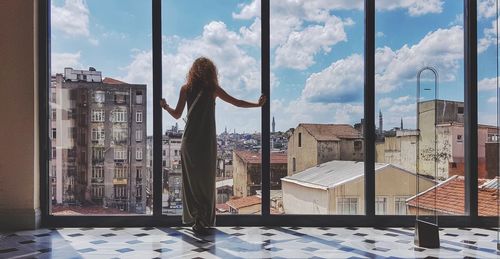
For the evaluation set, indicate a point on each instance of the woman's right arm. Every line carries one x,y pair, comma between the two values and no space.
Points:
177,112
237,102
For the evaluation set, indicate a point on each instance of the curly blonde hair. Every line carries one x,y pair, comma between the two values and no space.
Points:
203,74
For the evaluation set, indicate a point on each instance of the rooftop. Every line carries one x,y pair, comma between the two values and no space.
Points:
112,81
333,173
243,202
251,157
450,197
331,132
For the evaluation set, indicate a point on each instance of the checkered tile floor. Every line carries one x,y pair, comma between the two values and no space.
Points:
244,242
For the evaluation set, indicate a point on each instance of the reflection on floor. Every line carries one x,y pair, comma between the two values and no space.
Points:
244,242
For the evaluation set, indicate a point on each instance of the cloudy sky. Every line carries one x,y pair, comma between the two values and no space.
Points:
316,53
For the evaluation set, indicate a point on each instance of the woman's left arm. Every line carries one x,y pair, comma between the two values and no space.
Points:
177,112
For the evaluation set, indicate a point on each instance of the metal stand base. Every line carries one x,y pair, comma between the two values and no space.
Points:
426,234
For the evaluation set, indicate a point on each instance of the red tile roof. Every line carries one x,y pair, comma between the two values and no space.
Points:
250,157
331,132
112,81
85,210
451,198
248,201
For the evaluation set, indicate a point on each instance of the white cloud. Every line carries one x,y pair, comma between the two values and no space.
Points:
61,60
492,100
489,37
442,49
486,8
488,84
380,34
341,82
414,7
72,18
248,11
300,47
288,113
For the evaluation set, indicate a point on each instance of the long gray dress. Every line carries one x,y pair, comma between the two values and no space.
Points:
198,156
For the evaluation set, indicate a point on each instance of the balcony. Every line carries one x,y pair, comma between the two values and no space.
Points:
120,181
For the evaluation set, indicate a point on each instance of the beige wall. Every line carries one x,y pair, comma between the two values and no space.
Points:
305,156
239,177
298,199
390,182
19,176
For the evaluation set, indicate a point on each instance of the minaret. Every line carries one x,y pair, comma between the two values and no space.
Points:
274,125
401,123
380,122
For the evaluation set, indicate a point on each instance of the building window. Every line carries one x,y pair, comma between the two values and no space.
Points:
97,191
138,135
294,165
97,134
400,205
119,98
138,97
459,139
99,96
54,114
97,153
380,205
120,154
138,153
138,116
460,110
176,152
54,133
138,172
97,115
120,173
120,135
347,206
300,139
54,153
120,191
97,172
120,116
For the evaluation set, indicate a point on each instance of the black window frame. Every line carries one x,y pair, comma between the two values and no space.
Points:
369,219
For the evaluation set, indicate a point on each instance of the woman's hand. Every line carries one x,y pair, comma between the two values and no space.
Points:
262,100
163,104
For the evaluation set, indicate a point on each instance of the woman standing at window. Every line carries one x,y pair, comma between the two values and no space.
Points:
199,144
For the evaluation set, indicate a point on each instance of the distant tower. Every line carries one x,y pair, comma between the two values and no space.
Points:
380,122
225,130
401,123
274,125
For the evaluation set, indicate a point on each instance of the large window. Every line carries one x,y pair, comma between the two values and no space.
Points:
216,30
419,128
100,87
317,119
488,134
312,59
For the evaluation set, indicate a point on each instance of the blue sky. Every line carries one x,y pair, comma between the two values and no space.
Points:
317,53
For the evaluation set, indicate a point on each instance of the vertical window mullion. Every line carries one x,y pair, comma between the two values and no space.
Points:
369,107
265,117
157,118
470,95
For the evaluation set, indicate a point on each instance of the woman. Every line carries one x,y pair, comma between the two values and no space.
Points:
199,148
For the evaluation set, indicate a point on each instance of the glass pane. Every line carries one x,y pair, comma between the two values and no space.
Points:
420,128
488,116
100,109
317,146
231,40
